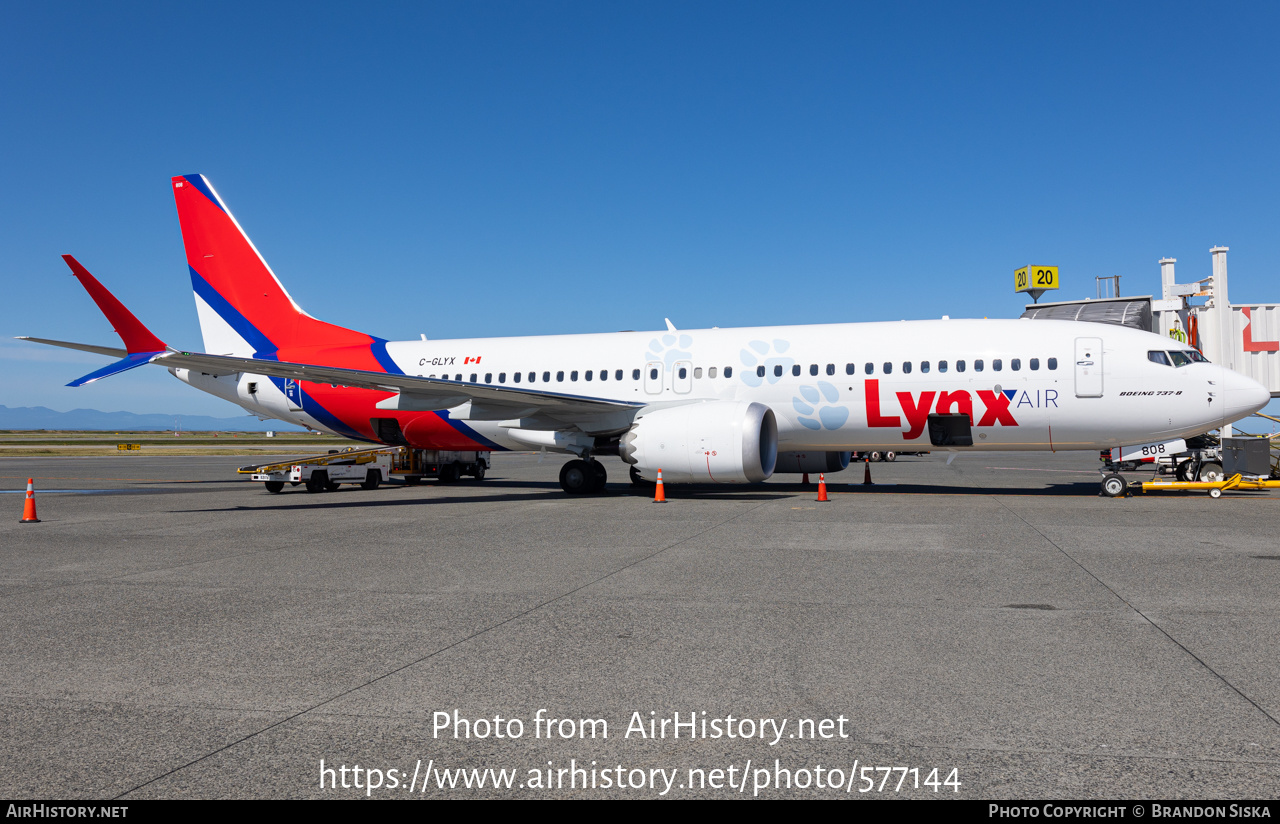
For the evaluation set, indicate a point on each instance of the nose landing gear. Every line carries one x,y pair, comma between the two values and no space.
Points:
1114,486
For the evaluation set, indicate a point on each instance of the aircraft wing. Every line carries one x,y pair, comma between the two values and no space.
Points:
109,351
413,393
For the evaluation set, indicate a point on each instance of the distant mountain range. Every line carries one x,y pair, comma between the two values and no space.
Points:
41,417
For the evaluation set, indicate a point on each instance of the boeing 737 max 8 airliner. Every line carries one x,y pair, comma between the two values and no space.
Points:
703,405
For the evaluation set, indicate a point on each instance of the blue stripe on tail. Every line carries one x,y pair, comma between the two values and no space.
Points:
262,346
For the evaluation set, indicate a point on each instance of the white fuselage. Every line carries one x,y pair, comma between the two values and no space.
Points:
1027,384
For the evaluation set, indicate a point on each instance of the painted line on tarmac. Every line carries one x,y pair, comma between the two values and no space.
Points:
1036,469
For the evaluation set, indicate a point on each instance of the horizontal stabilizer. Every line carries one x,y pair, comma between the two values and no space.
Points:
126,363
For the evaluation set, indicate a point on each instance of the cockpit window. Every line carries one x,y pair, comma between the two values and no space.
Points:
1156,356
1195,356
1179,358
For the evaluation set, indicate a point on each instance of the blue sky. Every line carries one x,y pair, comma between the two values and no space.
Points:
490,168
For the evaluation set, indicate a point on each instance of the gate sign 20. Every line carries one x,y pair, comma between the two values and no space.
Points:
1035,277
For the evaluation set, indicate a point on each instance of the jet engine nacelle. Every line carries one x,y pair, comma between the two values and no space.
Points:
731,442
797,462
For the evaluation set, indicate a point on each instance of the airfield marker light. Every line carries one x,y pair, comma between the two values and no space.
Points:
29,506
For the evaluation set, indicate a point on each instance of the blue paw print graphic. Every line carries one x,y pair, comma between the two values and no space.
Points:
670,348
760,353
828,417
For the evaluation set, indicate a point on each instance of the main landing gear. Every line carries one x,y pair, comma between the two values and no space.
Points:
579,477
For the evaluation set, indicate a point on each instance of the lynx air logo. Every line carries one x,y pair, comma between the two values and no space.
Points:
915,407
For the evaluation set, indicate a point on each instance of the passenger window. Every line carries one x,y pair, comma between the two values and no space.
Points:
813,369
728,371
573,376
684,373
888,368
1015,364
588,375
1053,364
532,376
1035,364
653,374
924,366
711,373
546,377
635,374
1156,356
488,377
515,377
795,370
617,374
777,371
502,377
831,368
977,365
697,372
959,366
760,371
560,376
850,368
942,366
473,377
604,374
1179,359
906,367
996,364
870,368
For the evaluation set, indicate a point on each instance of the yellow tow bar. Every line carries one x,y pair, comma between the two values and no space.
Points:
1214,488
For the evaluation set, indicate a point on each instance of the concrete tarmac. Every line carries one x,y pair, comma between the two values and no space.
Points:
170,630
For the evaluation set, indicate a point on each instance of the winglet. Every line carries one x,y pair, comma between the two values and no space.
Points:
137,338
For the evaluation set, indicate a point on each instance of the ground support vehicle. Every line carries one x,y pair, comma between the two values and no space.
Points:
324,473
1200,461
414,465
369,467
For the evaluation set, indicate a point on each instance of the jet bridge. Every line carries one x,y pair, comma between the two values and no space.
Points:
1243,337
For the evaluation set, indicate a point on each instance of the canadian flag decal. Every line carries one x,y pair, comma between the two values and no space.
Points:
465,361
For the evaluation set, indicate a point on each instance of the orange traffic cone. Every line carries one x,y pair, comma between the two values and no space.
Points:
822,487
805,479
29,508
659,496
866,474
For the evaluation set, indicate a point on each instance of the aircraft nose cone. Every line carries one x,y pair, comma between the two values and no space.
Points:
1244,396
